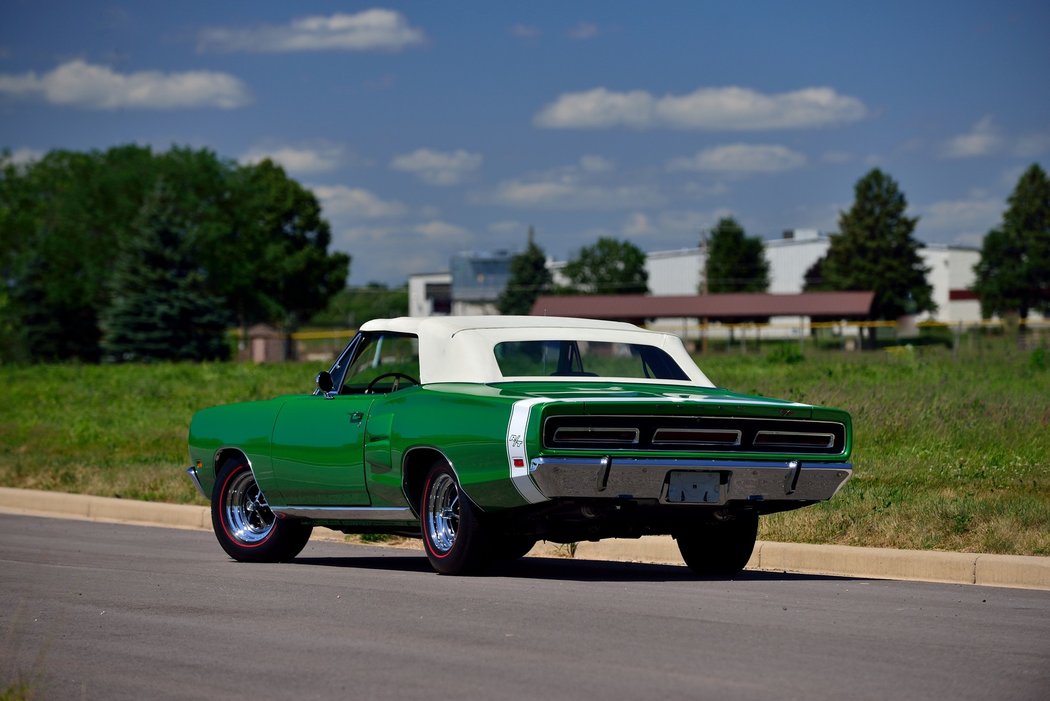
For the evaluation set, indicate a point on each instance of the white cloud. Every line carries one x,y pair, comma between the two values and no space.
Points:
741,159
81,84
638,224
297,160
713,109
580,186
583,31
437,167
596,164
22,156
705,190
340,202
1032,144
525,31
442,231
965,219
836,157
568,193
983,139
507,227
671,228
388,252
371,30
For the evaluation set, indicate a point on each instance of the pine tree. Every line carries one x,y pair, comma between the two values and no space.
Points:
736,262
529,278
875,250
1013,275
160,308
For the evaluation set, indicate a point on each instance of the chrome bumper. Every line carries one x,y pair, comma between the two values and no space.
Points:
192,472
647,478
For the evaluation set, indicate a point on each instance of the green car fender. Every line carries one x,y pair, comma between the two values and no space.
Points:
244,428
464,425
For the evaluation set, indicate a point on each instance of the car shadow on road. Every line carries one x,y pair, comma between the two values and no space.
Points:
559,569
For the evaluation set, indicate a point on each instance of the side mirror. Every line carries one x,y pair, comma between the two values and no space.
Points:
324,381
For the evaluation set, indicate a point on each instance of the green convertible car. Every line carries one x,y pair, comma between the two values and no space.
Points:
483,435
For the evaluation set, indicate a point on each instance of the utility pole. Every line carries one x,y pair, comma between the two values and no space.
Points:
703,290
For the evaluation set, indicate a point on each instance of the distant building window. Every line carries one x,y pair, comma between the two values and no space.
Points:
440,296
479,277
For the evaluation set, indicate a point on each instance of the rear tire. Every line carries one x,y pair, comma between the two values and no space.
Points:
510,548
453,538
243,523
718,548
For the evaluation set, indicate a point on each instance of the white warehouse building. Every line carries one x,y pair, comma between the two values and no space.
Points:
679,272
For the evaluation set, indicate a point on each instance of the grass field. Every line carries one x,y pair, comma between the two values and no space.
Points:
951,453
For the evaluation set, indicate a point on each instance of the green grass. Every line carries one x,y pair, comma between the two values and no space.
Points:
120,430
950,453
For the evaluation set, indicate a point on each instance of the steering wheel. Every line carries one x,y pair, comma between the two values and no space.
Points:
398,376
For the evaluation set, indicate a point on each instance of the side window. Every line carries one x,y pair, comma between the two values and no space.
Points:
338,369
393,355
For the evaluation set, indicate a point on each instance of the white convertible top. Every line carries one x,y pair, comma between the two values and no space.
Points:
460,348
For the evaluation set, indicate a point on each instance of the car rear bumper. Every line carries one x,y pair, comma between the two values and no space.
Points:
648,478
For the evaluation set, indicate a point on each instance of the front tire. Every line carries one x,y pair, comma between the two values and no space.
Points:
718,548
452,534
243,523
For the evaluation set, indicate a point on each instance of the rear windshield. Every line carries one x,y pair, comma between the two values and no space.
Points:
585,359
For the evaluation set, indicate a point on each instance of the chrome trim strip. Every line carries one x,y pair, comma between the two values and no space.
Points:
771,419
347,513
596,438
657,440
192,472
695,463
788,444
816,423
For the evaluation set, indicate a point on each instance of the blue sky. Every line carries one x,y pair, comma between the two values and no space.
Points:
427,128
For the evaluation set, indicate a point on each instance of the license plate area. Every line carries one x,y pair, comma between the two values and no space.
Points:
687,487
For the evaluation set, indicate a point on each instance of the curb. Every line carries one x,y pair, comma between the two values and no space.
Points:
1021,571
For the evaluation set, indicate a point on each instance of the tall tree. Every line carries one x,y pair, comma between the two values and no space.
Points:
160,308
1013,275
68,218
608,267
258,236
875,250
529,278
735,262
353,306
283,272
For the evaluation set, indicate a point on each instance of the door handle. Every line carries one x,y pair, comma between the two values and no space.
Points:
355,418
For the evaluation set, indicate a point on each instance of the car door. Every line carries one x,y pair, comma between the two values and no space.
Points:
318,443
318,450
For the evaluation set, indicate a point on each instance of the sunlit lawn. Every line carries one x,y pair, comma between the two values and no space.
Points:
950,454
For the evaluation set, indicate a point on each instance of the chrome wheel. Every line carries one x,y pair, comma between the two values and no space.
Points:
442,513
245,510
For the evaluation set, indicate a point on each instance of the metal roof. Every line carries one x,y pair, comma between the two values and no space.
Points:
738,305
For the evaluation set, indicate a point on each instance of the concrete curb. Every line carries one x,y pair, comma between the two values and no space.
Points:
1027,572
37,502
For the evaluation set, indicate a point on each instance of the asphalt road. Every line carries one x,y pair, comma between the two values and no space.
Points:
100,611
